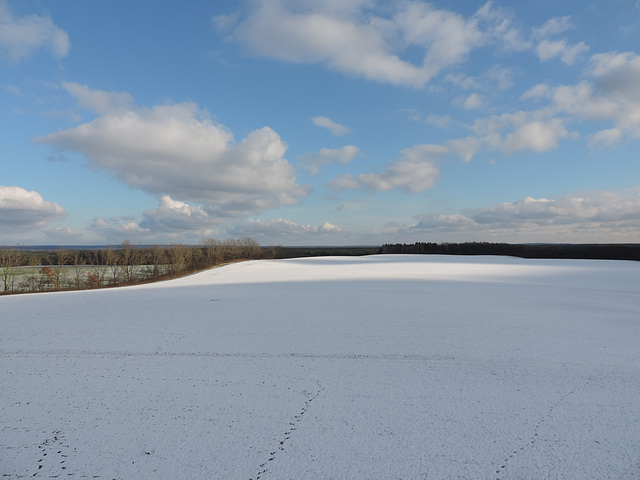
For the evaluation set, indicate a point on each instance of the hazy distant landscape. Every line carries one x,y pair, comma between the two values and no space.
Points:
30,269
385,366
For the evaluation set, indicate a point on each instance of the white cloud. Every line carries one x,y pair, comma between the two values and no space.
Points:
329,124
345,182
276,30
495,76
116,231
536,135
429,221
596,216
568,54
463,81
466,148
415,172
176,150
62,235
537,130
368,39
276,230
440,121
327,227
171,221
98,101
175,216
607,137
536,92
611,94
20,37
224,22
603,64
617,75
22,209
471,102
553,48
553,26
326,156
500,28
501,77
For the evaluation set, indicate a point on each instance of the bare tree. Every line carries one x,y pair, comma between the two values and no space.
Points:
177,255
213,251
111,260
131,261
62,255
158,259
249,248
95,276
9,262
33,262
78,261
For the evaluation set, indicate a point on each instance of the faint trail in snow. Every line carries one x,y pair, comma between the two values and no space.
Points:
160,353
293,426
534,438
546,416
168,344
52,463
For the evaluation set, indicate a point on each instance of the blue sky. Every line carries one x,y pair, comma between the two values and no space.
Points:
319,122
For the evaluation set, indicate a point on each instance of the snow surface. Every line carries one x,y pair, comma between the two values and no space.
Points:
418,367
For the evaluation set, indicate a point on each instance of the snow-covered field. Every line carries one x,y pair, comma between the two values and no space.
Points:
417,367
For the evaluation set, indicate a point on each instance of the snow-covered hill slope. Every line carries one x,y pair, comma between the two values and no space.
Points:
418,367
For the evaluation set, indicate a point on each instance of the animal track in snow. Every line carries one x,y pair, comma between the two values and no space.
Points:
53,456
293,426
534,438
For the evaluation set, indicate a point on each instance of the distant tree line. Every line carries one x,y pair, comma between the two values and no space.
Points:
298,252
578,251
24,271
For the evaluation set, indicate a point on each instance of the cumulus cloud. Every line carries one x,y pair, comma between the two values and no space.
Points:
116,230
553,48
177,151
413,173
536,135
62,235
20,37
617,74
329,124
175,216
278,229
537,130
367,39
22,209
327,156
589,216
612,93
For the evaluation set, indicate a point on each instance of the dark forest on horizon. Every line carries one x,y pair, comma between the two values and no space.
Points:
594,251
